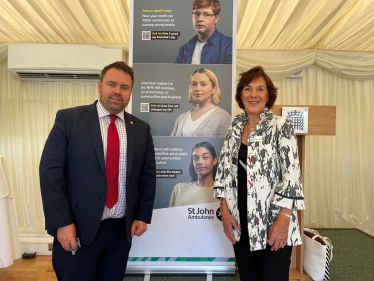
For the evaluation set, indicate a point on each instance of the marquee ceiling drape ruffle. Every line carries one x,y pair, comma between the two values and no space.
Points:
283,36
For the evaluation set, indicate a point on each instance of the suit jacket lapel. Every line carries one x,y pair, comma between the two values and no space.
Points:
130,133
94,125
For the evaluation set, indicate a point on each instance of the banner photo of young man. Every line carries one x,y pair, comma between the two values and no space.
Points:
183,32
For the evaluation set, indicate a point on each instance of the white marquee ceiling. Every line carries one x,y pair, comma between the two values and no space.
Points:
262,24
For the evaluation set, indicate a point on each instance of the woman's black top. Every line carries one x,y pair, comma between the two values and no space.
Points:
242,183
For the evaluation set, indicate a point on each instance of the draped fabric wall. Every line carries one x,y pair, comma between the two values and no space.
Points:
331,41
339,176
27,113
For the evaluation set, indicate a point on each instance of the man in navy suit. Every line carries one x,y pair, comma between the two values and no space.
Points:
77,180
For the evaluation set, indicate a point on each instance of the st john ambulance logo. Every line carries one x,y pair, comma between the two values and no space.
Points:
200,214
218,214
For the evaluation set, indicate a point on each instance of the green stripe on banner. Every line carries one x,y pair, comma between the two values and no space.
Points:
182,259
195,259
207,259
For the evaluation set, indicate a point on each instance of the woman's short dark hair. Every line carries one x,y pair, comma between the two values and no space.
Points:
212,152
250,75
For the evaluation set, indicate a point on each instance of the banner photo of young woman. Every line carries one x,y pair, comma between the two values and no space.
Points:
183,100
185,170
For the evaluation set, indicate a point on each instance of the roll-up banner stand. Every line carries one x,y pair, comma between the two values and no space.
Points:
184,89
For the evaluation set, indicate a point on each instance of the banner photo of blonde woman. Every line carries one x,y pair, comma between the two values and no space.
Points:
183,100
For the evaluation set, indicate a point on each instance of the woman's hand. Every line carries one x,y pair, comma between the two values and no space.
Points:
228,222
278,232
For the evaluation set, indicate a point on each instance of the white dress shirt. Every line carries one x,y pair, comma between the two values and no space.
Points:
119,209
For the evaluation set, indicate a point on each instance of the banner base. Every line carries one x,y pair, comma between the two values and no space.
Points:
180,270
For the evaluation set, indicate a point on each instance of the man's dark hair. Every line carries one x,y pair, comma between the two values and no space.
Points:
215,4
120,65
212,152
250,75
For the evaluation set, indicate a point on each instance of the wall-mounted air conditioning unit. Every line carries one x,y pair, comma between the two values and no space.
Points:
60,62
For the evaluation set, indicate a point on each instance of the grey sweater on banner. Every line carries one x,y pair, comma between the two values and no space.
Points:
215,125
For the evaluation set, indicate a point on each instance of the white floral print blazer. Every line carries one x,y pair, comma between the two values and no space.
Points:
273,176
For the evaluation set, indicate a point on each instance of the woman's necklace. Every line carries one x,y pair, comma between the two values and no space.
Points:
246,163
249,128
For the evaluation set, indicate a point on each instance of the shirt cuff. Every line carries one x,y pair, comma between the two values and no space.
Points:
287,202
218,192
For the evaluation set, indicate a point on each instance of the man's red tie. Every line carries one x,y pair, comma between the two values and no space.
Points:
112,164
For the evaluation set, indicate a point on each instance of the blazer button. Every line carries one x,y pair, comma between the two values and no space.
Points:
103,178
103,199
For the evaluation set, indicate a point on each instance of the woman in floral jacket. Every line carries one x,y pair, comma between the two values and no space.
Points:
259,183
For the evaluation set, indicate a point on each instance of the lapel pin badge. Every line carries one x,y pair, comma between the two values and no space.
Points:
131,122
